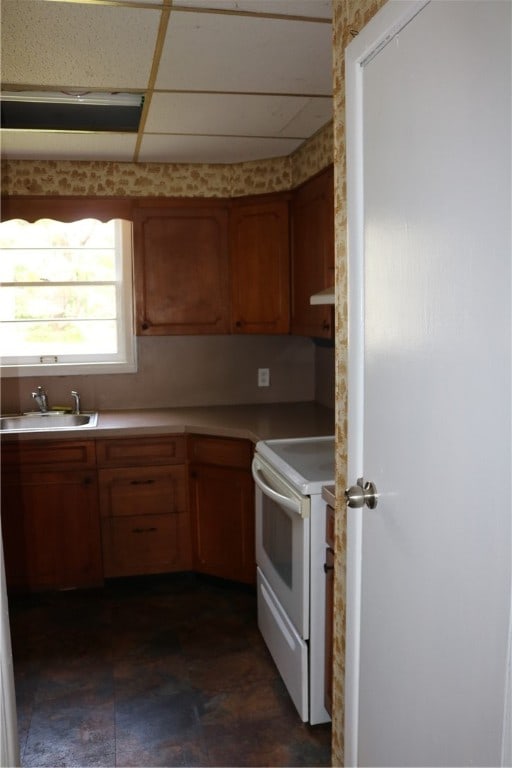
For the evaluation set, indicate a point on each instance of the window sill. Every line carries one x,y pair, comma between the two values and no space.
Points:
67,369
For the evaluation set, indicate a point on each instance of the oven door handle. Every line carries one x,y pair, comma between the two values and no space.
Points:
292,505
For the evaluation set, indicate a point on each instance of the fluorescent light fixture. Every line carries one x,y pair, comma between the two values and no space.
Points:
116,99
71,111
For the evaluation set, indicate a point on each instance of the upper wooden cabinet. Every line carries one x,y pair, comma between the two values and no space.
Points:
181,268
215,266
260,271
312,260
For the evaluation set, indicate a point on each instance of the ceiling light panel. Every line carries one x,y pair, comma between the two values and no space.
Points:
83,46
61,111
219,52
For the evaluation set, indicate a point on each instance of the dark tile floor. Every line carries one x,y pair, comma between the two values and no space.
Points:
154,672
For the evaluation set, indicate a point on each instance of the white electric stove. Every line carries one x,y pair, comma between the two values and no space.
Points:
290,555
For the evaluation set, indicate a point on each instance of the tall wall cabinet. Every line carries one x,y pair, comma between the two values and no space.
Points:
312,248
260,266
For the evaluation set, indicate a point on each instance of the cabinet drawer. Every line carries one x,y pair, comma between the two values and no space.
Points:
148,544
225,452
142,491
49,455
128,452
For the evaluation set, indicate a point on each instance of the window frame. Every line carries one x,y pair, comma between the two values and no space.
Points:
127,354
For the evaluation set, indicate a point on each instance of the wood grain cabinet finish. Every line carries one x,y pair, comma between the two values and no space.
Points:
138,451
222,508
50,516
312,255
144,511
181,269
260,266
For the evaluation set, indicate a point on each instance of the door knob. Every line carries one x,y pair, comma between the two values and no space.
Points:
361,494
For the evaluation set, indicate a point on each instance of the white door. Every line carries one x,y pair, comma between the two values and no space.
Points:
429,569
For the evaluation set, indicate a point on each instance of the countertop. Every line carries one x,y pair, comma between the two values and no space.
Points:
252,422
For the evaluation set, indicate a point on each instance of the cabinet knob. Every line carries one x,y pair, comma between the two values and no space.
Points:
326,325
145,325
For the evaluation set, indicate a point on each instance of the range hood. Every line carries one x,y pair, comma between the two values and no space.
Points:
323,297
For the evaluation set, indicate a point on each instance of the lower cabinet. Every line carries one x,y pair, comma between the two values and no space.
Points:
74,512
144,514
222,508
50,518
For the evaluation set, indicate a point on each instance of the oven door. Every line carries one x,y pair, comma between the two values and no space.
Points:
283,542
289,651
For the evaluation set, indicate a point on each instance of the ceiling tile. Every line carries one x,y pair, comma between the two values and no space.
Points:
212,149
83,46
208,51
228,72
27,145
236,114
310,118
318,9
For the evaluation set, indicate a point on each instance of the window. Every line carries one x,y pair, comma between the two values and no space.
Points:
66,297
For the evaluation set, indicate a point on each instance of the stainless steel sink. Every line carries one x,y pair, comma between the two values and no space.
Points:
52,421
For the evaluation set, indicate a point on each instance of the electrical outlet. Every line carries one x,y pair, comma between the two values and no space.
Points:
263,377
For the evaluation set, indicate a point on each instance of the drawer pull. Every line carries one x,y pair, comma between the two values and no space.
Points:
144,530
141,482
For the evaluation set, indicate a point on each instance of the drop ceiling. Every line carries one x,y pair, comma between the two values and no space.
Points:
224,81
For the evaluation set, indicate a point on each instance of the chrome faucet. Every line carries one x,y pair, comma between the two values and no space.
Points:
76,398
41,399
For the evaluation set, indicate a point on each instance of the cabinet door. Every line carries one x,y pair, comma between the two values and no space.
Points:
260,271
51,529
312,255
222,506
181,270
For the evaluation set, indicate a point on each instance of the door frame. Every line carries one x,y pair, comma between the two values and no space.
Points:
391,18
